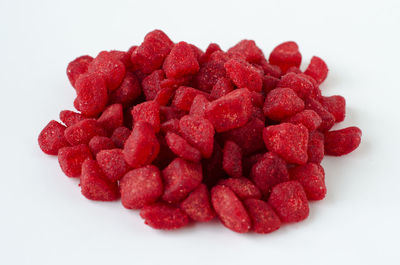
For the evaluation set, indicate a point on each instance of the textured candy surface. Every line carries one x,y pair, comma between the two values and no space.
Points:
69,117
312,177
78,67
282,103
147,112
112,163
72,158
317,69
51,138
151,85
181,61
286,55
301,84
289,201
98,143
212,47
184,97
128,91
336,105
171,125
264,219
199,105
182,148
120,135
83,131
111,118
342,142
140,187
198,206
244,75
315,149
232,159
222,87
230,209
328,120
242,187
246,50
308,118
164,216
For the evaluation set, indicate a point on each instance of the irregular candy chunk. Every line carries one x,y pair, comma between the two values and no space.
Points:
244,75
78,67
242,187
301,84
199,106
197,51
71,159
184,97
317,69
150,55
111,69
282,103
70,118
124,57
230,209
328,120
180,178
264,219
294,69
182,148
51,138
270,70
164,216
287,140
94,185
181,61
208,75
112,163
111,118
336,105
140,187
248,163
198,206
152,84
170,126
212,47
342,142
127,92
142,146
268,171
199,132
120,135
230,111
83,131
92,94
315,149
289,201
285,55
98,143
257,99
165,95
312,177
232,159
269,83
221,88
308,118
149,112
167,113
247,50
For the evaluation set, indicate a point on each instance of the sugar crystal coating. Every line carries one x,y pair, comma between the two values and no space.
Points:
328,120
317,69
111,118
151,84
247,50
120,135
78,67
181,61
336,105
182,148
98,143
270,70
301,84
232,159
222,87
242,187
171,125
281,103
264,219
164,216
149,112
342,142
269,83
83,131
184,97
315,148
312,177
244,75
92,95
112,163
198,205
286,55
308,118
212,47
51,138
199,105
72,158
69,117
208,75
128,91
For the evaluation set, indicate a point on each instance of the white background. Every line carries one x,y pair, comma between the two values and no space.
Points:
45,220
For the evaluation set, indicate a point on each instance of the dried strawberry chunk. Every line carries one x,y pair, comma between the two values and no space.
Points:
111,118
247,50
199,105
148,111
336,105
315,149
182,148
232,159
264,219
181,61
222,87
342,142
301,84
242,187
151,84
92,94
208,75
244,75
70,117
282,103
112,163
317,69
212,47
128,91
184,97
286,55
98,143
78,67
328,120
164,216
308,118
51,138
83,131
171,125
198,206
72,158
312,177
120,135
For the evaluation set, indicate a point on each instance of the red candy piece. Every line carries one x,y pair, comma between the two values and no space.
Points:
128,91
312,178
268,171
244,75
328,120
282,103
230,209
336,105
92,94
164,216
208,75
78,67
149,112
111,118
170,126
181,61
94,185
180,178
142,146
287,140
269,83
199,132
242,187
230,111
111,69
199,105
294,69
83,131
182,148
70,118
246,50
285,55
212,47
342,142
257,99
289,201
164,96
124,57
167,113
112,163
317,69
270,70
150,55
51,138
140,187
120,135
308,118
198,206
315,149
184,97
301,84
264,219
221,88
151,84
98,143
72,158
232,159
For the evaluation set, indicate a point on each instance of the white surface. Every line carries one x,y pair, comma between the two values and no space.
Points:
45,220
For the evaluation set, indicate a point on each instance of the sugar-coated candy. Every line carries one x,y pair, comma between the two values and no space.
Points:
315,149
142,146
230,111
128,91
112,163
140,187
212,47
51,138
222,87
124,57
111,118
301,84
247,50
308,118
171,125
209,74
264,219
286,55
69,117
182,148
180,177
119,136
181,61
281,103
94,185
270,70
269,83
336,105
328,120
289,201
72,158
165,95
184,97
149,112
78,67
164,216
198,205
317,69
151,84
92,94
167,113
312,177
230,209
83,131
242,187
342,142
199,105
244,75
98,143
232,159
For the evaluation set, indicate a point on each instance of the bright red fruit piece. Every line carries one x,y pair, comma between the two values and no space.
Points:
246,50
51,138
184,97
336,105
232,159
301,84
128,91
120,135
72,158
164,216
342,142
264,219
328,120
112,163
308,118
70,117
282,103
244,75
199,105
149,112
111,118
312,177
317,69
286,55
182,148
78,67
98,143
198,206
151,84
315,149
181,61
83,131
242,187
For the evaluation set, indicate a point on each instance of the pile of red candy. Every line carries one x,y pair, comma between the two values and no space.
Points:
186,135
